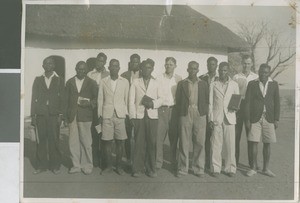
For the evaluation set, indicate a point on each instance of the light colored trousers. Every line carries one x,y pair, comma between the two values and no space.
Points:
223,135
80,143
192,125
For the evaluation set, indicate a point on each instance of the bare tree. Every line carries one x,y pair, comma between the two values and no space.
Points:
278,54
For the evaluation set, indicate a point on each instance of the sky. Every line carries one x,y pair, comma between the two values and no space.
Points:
278,19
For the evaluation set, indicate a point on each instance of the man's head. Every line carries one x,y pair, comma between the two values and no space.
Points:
264,72
170,64
193,68
247,63
101,61
114,67
212,64
48,64
223,70
147,67
134,63
81,70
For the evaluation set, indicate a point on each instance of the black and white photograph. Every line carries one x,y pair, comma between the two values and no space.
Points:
159,101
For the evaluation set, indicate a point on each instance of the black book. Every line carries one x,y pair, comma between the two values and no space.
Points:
235,102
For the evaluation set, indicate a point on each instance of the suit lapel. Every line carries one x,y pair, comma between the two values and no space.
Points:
84,84
219,89
142,84
53,81
258,89
108,85
43,83
185,86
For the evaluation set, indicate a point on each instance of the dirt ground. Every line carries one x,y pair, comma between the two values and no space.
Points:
166,185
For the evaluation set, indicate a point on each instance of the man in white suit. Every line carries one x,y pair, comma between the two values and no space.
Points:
222,121
143,104
112,111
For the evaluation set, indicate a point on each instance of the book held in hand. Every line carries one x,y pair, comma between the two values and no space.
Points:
235,102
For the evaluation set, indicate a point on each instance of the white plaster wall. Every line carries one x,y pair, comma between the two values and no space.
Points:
34,57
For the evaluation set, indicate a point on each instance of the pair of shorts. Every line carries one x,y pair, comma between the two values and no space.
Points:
262,130
113,128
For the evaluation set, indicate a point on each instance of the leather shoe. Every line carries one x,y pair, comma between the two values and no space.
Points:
38,171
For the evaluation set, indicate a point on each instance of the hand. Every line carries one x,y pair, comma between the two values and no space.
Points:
211,125
276,124
100,120
65,123
33,121
248,125
84,103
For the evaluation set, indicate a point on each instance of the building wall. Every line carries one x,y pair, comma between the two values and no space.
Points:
32,65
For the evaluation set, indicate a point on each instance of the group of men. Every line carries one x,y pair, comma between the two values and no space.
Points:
136,111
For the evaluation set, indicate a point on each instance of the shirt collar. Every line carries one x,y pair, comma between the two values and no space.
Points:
76,78
165,75
53,74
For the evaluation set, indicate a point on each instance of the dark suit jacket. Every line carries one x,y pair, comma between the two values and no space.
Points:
41,94
205,78
254,102
182,97
89,90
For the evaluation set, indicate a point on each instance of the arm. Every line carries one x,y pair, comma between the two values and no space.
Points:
276,105
62,97
211,102
131,105
158,101
247,106
33,102
100,99
178,95
126,98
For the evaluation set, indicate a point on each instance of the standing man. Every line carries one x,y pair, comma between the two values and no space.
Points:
192,105
46,116
81,99
112,111
143,103
97,75
242,79
222,121
209,77
167,113
132,73
262,110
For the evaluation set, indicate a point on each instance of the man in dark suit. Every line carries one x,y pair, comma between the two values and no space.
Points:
46,116
262,110
81,99
209,77
132,73
192,104
97,74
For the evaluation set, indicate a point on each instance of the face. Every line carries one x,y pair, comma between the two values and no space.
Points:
247,64
81,71
48,65
100,62
193,69
147,70
223,71
170,66
134,64
212,66
114,68
264,74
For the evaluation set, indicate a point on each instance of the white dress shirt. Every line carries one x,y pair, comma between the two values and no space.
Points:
79,83
167,89
263,88
243,80
113,84
134,75
48,80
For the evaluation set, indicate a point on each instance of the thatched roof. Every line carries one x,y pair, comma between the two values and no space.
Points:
146,24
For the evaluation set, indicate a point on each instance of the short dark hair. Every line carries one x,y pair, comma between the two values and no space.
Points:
101,54
147,61
49,57
264,65
170,59
135,56
80,63
193,62
224,63
246,56
113,60
212,59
